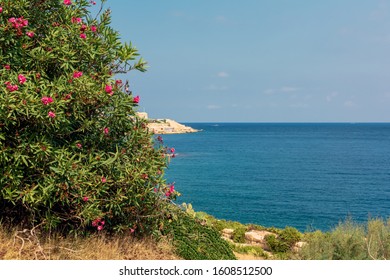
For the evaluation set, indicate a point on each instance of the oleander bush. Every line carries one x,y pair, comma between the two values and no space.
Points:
74,156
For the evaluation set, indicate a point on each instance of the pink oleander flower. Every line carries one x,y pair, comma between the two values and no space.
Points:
7,67
172,150
83,36
132,230
11,88
24,22
108,89
106,130
46,100
93,28
85,198
118,82
99,228
78,145
51,114
172,188
96,222
136,99
67,2
104,179
30,34
22,79
12,20
1,9
83,27
76,20
77,74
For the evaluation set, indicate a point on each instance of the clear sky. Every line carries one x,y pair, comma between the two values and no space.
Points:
260,61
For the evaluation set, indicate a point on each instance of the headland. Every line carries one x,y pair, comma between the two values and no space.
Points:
166,126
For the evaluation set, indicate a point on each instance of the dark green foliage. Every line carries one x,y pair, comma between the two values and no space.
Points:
196,241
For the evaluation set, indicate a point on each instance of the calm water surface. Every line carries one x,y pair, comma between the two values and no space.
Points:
310,176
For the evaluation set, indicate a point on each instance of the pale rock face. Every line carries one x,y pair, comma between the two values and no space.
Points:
257,236
227,232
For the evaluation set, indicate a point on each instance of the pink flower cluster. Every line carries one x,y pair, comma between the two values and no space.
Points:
51,114
106,130
76,20
84,27
11,87
1,9
77,74
136,99
46,100
22,79
18,24
67,2
98,223
170,191
109,90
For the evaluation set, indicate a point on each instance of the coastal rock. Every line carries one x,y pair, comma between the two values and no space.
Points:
257,237
228,233
299,245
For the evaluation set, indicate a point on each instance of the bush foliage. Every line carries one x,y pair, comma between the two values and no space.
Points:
74,156
193,239
350,241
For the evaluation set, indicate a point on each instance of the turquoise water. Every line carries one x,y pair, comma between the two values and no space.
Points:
310,176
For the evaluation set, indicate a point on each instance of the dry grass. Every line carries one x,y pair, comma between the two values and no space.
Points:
31,245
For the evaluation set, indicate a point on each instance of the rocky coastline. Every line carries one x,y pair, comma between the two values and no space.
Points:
166,126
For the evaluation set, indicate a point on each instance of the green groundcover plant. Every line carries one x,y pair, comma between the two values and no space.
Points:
74,155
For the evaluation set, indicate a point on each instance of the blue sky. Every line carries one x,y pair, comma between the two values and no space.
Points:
260,61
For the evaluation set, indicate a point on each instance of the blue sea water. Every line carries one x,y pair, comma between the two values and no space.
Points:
309,176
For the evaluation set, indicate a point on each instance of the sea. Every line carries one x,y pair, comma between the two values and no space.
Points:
310,176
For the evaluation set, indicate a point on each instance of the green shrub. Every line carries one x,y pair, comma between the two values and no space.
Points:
74,156
349,241
196,241
284,242
239,235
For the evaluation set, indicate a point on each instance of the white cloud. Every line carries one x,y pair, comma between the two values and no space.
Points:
299,105
350,104
213,107
221,19
270,91
214,87
223,74
284,89
289,89
331,96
